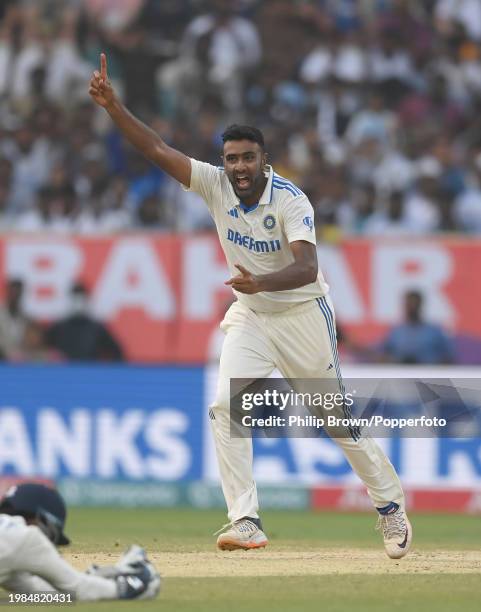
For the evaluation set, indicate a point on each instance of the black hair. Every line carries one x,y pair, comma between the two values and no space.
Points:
15,282
78,287
243,132
414,294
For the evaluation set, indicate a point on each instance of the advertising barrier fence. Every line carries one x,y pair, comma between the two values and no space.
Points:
103,430
164,296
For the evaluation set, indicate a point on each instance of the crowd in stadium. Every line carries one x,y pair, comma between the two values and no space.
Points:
370,106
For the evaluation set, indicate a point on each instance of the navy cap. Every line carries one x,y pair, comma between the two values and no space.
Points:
45,504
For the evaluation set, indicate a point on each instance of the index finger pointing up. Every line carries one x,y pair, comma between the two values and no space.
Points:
103,66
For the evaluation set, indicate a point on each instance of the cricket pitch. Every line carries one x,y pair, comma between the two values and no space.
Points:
306,563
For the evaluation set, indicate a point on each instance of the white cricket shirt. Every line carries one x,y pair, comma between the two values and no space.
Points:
29,563
259,238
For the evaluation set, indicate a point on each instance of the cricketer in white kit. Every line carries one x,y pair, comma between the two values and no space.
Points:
283,317
32,519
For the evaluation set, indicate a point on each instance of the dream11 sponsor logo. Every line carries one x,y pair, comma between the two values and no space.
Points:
104,444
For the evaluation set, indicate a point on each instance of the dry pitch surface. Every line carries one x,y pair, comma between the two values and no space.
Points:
181,544
313,563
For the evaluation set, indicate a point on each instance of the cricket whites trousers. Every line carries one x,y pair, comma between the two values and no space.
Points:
301,343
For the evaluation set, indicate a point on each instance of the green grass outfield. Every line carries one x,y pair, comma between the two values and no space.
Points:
300,538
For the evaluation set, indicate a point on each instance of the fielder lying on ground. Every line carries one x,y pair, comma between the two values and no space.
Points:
32,519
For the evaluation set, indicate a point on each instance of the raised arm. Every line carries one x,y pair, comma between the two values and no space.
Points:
145,140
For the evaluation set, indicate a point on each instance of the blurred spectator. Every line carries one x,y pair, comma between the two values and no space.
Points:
337,104
218,48
107,211
422,206
330,198
350,61
349,350
7,219
55,212
113,17
388,90
92,172
468,203
391,64
12,319
370,106
138,59
452,178
373,121
415,341
32,159
431,106
364,206
33,347
151,214
42,52
145,180
80,337
390,220
450,13
186,208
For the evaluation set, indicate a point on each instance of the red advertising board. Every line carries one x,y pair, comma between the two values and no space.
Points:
164,295
355,499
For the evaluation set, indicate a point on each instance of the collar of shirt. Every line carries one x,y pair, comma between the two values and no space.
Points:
266,197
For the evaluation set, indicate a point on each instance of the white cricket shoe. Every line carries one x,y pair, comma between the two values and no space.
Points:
397,533
242,534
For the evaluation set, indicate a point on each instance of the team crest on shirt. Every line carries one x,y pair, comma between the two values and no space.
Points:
269,222
308,222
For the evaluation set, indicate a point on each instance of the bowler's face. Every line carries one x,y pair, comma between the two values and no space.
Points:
244,162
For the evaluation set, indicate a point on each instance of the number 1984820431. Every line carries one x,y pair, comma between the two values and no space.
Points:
43,597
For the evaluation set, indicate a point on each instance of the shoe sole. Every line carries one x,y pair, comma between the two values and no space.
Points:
236,545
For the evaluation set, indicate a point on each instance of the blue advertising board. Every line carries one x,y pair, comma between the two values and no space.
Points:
149,424
106,422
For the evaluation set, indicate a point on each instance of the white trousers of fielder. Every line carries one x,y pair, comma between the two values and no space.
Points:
300,343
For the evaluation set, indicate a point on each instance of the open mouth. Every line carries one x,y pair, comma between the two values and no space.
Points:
242,182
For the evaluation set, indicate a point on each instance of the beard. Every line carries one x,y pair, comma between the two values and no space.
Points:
252,187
